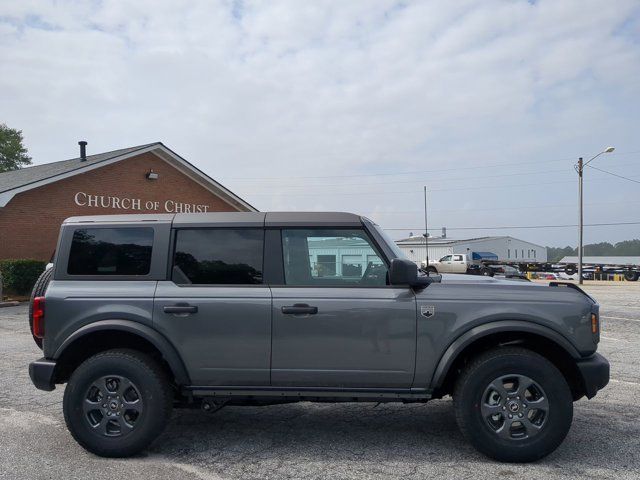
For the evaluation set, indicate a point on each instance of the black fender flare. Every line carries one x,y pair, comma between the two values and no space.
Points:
480,331
168,351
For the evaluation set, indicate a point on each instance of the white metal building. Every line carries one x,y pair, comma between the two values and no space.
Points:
340,256
508,249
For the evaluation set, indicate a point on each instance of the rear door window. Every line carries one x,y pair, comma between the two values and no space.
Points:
111,251
218,256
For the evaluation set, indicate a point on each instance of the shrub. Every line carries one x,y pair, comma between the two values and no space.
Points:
19,276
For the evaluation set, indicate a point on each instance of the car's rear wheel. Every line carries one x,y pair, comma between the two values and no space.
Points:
117,402
513,405
39,289
486,271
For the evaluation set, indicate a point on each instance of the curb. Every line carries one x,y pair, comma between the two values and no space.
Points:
9,304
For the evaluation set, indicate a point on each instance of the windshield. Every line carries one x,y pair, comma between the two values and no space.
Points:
392,245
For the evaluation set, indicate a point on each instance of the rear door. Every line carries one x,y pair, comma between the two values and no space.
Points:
216,308
458,265
336,322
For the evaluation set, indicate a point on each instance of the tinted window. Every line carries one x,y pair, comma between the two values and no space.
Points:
331,257
111,251
218,256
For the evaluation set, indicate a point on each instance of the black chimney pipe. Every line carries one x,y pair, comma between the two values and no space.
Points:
83,150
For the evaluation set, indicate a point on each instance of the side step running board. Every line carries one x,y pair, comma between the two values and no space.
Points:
306,392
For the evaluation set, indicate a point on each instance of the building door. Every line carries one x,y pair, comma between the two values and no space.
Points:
348,330
216,309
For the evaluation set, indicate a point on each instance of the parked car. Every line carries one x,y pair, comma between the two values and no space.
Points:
463,263
144,313
510,272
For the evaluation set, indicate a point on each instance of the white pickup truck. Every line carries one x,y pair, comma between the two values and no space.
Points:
458,263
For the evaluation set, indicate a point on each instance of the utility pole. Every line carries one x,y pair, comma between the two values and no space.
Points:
426,227
580,228
580,168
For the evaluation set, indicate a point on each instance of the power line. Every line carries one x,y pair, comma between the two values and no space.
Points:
482,187
614,174
432,180
522,226
456,169
405,192
489,209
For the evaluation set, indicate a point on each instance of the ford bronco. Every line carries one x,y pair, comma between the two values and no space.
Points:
143,313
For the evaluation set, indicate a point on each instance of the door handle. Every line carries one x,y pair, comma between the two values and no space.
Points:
300,309
177,309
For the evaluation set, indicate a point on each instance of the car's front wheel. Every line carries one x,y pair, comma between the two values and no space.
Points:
513,405
117,402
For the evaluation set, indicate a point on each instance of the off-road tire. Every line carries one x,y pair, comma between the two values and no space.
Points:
39,289
486,272
155,392
471,387
432,270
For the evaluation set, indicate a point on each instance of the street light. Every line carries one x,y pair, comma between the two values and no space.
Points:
426,228
579,168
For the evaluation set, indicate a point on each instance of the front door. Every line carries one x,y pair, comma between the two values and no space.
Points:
216,309
336,322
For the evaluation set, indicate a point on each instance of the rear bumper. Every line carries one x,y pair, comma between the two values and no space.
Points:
595,374
42,374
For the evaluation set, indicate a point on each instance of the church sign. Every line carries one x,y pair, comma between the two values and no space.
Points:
83,199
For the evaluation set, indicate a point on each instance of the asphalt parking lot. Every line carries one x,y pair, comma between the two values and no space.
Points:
355,441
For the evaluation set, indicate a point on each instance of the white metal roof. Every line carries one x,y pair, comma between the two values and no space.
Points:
444,242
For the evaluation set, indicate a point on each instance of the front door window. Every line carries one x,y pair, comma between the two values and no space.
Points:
331,257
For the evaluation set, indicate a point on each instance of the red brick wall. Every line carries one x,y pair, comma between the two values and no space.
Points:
30,222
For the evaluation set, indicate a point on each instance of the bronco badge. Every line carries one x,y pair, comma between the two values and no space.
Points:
427,310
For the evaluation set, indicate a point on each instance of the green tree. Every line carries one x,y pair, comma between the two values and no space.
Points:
554,254
626,248
13,154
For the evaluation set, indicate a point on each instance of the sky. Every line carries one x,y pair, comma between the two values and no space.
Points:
351,106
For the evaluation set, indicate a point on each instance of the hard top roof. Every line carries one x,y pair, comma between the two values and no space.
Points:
237,219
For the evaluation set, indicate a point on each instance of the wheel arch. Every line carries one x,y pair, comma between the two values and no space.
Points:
108,334
540,339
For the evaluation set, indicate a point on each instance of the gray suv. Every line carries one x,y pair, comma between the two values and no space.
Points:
144,313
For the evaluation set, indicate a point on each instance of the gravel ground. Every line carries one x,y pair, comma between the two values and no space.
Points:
355,441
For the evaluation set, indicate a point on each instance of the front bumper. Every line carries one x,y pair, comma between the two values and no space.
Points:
595,374
42,374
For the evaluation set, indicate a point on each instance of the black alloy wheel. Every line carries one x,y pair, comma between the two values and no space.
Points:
113,406
513,405
117,402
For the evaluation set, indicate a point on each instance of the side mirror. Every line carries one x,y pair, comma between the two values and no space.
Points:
405,272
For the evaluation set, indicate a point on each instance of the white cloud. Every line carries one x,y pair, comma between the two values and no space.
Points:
287,88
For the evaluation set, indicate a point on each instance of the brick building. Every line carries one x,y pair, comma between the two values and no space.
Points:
144,179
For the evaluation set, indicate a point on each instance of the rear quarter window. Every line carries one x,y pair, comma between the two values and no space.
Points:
111,251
